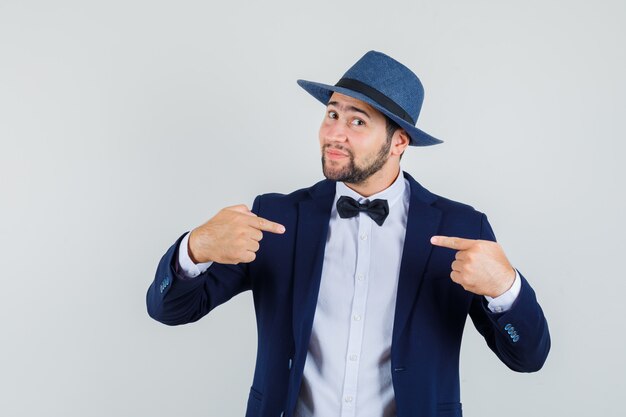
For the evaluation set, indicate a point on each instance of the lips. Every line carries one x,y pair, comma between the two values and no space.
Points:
335,154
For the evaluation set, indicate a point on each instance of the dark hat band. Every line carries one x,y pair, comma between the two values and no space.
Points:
377,96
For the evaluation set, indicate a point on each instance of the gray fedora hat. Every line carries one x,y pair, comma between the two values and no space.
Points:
385,84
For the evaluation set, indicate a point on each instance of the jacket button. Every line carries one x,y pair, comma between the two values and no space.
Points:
507,327
290,363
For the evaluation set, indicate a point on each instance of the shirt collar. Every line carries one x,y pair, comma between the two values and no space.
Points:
392,193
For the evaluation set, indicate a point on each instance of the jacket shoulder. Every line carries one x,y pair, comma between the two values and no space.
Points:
457,218
446,205
321,188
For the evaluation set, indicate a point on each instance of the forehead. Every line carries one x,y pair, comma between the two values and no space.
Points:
344,101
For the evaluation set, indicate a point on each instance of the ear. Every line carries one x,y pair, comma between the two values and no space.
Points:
399,142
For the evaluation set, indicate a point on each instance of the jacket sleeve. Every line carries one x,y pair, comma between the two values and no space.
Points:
174,299
519,336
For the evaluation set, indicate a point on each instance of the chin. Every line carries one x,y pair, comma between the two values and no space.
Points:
332,169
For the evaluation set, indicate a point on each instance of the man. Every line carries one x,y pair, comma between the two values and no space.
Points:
361,283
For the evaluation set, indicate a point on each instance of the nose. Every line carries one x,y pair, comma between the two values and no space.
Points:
334,132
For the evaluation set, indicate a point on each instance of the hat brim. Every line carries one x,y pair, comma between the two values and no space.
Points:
322,92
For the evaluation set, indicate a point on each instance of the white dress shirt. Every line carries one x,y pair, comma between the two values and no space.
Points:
348,365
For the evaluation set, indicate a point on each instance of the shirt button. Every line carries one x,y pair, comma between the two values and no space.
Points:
363,236
360,277
348,399
353,357
357,317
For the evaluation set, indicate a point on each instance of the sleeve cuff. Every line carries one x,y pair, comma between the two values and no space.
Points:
187,266
504,302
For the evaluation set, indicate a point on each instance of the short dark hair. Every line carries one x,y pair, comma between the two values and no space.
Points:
391,129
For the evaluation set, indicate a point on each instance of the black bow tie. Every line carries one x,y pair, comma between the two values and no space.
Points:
377,209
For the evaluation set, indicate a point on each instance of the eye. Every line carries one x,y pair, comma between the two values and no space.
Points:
332,114
358,122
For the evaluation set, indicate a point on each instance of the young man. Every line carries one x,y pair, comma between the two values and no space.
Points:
362,283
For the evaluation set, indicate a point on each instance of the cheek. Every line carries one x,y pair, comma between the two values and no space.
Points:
324,130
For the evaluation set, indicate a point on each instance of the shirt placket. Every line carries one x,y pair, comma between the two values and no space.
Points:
357,317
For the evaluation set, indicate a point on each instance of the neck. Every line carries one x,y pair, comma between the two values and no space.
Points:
378,182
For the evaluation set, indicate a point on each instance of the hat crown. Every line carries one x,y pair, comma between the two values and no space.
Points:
390,78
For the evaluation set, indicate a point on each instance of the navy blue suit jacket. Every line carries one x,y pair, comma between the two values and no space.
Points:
430,310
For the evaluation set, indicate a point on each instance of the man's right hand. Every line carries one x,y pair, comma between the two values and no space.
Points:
231,236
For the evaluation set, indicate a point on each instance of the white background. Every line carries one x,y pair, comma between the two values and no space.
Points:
125,123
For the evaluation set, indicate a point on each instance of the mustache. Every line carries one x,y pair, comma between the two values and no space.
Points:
338,148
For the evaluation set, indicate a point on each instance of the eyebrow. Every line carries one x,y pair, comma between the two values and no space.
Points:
349,108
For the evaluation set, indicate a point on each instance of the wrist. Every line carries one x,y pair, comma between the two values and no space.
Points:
190,248
507,284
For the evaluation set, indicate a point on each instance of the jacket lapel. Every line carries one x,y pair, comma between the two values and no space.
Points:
422,223
312,230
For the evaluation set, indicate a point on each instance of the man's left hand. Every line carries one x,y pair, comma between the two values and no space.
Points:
480,266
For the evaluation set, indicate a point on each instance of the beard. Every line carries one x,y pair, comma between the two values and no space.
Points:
351,173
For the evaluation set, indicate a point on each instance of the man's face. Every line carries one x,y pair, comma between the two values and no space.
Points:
353,140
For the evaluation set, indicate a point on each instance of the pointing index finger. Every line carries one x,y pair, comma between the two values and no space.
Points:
265,225
457,243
